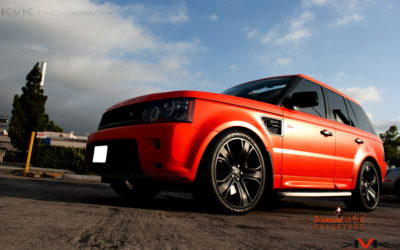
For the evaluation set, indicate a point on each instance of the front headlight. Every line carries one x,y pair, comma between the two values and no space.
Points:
169,110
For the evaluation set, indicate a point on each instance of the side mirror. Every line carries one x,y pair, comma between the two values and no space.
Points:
304,99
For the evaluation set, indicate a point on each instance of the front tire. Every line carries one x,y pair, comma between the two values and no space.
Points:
365,196
234,174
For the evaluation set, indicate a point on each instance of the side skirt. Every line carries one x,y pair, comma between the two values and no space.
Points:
313,194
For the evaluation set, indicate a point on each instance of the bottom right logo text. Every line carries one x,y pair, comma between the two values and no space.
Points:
369,244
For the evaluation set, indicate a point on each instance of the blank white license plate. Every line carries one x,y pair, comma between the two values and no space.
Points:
100,154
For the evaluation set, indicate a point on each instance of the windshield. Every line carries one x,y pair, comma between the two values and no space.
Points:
267,90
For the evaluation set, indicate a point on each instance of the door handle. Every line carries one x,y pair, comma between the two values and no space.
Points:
326,133
359,141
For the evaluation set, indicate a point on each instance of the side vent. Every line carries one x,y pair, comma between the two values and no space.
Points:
274,126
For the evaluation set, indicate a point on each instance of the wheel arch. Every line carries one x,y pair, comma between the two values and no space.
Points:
266,154
378,169
375,163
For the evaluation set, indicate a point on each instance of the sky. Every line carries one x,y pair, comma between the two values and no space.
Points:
101,52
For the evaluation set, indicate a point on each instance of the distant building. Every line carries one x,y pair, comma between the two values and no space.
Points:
5,145
4,121
53,138
65,139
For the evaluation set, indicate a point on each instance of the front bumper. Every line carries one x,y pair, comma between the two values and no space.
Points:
162,151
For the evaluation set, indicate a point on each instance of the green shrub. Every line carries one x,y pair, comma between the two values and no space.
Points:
60,157
15,157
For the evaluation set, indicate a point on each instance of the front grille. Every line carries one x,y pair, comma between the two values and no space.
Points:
122,160
123,116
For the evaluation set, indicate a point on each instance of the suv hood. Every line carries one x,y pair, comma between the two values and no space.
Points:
234,100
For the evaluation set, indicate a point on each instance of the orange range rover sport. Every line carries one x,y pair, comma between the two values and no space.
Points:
274,137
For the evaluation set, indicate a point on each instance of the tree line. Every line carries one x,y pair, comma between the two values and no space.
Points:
391,144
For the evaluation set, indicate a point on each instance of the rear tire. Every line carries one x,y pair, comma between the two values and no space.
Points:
365,196
233,173
134,190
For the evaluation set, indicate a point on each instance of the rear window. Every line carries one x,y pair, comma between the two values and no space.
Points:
363,121
338,108
347,112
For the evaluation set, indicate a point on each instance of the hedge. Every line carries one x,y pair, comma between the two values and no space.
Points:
60,157
15,157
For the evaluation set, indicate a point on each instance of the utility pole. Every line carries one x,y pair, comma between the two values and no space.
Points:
43,71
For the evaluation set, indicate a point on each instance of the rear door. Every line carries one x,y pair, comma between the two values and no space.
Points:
351,141
346,144
308,144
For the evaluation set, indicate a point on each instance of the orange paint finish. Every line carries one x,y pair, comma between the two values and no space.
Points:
173,145
302,157
243,118
310,159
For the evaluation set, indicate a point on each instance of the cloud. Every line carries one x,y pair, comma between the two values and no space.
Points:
233,67
180,17
269,37
298,31
294,36
370,115
347,10
295,32
351,18
283,61
94,60
213,17
163,13
250,32
341,75
383,126
299,28
337,5
300,21
364,94
309,3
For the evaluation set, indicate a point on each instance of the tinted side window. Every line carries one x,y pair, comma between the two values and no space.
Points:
306,86
362,118
338,108
352,115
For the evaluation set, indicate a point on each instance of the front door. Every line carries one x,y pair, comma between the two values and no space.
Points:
308,152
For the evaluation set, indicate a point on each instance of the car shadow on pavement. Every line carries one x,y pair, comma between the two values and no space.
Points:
90,193
102,194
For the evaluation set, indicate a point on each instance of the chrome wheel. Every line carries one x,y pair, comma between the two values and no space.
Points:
238,173
366,194
369,185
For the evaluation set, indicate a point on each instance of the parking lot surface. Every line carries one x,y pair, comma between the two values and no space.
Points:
52,214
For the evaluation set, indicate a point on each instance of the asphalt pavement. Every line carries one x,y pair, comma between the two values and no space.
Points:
37,213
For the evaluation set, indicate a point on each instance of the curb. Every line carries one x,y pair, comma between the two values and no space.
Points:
81,177
10,168
57,174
